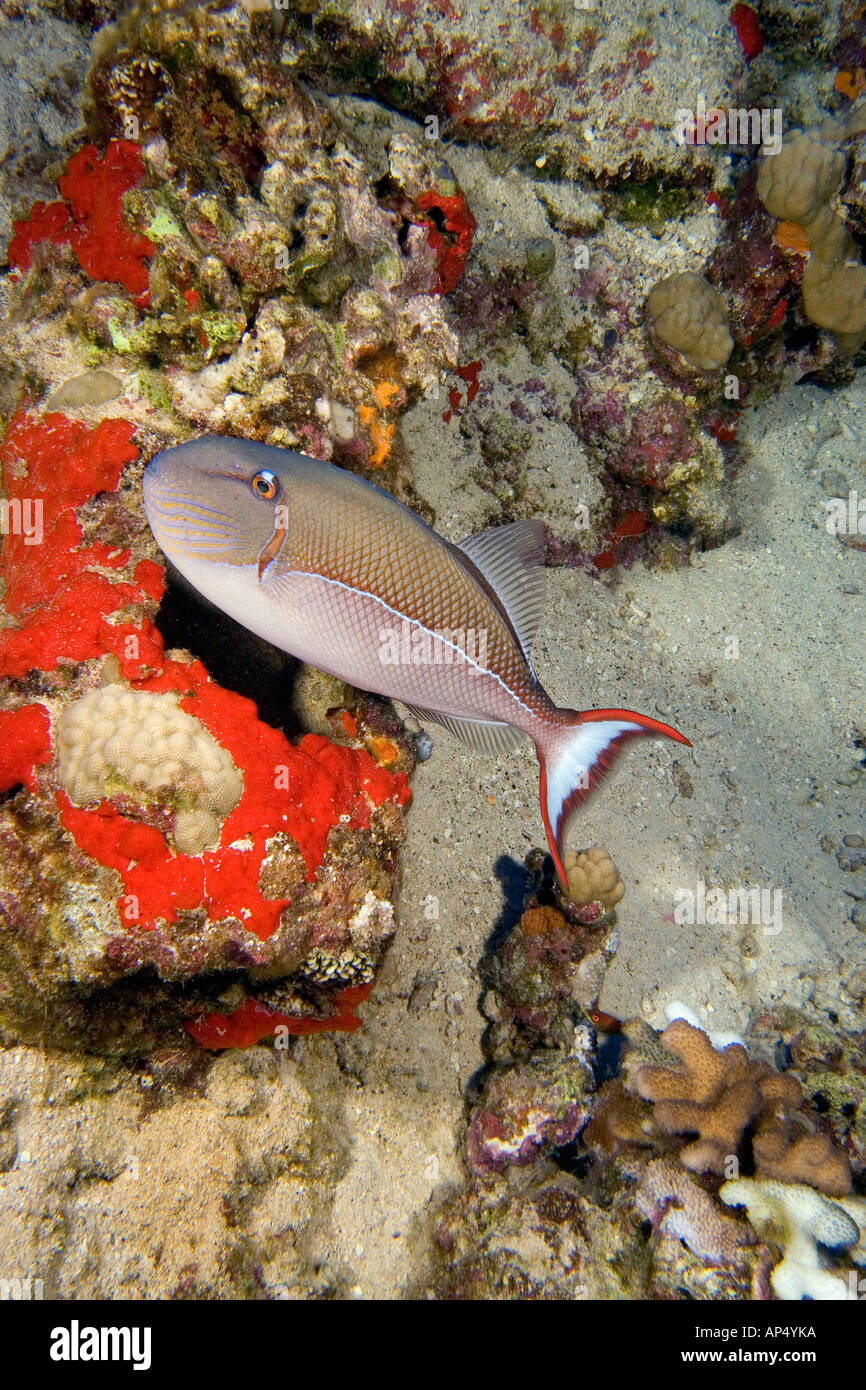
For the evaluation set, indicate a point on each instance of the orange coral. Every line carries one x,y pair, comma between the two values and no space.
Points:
381,434
385,392
539,921
384,750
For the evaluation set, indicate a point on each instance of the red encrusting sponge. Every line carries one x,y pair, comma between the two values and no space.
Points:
745,23
91,219
62,608
253,1021
451,244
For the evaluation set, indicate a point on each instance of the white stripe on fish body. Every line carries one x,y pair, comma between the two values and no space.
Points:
346,633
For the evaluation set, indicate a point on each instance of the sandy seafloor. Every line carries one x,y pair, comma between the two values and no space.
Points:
762,800
772,735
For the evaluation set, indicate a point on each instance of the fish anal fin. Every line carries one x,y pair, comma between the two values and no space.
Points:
485,736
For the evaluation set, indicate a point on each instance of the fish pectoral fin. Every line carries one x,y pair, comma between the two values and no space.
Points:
485,736
511,558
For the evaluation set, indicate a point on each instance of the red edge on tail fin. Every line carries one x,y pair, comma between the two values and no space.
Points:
597,769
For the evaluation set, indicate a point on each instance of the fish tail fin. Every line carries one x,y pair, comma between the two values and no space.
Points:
577,750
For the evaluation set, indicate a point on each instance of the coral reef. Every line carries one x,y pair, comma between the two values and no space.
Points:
225,247
150,1203
43,59
540,983
90,219
246,271
301,839
519,1217
540,83
829,1064
728,1108
799,1220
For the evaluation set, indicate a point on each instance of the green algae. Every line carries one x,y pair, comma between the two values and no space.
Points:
153,387
162,227
651,204
119,340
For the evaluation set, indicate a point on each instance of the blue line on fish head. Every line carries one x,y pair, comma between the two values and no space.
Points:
218,501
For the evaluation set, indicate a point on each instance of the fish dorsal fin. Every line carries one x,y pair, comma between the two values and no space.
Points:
511,558
485,736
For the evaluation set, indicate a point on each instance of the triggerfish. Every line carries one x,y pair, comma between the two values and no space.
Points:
346,578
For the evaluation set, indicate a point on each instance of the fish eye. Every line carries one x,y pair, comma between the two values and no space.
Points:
265,484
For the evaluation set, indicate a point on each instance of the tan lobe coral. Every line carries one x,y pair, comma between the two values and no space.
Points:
688,315
593,877
834,297
798,181
828,236
136,743
799,185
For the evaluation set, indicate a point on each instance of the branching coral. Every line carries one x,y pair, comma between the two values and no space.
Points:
677,1206
799,1219
688,315
811,1158
717,1095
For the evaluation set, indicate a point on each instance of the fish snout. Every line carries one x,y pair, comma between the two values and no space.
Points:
200,506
